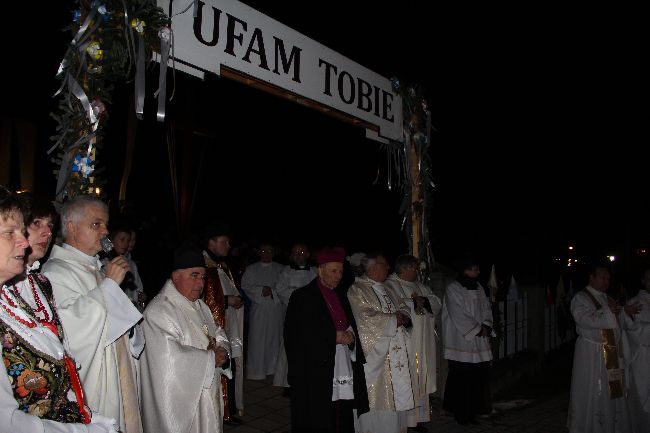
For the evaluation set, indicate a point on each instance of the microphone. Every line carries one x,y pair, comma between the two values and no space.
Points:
129,280
107,246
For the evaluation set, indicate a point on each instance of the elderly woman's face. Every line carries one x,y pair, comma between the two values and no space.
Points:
12,246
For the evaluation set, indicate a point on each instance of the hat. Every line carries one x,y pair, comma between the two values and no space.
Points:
215,229
332,254
185,258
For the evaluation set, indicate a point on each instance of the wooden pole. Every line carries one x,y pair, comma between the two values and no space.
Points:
131,131
416,208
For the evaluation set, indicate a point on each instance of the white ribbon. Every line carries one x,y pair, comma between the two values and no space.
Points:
139,79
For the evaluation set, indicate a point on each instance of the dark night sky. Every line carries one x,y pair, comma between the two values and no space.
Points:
538,138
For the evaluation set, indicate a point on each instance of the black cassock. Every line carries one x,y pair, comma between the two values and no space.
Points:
310,343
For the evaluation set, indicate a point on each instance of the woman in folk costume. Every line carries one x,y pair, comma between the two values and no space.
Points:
382,319
39,389
425,309
467,328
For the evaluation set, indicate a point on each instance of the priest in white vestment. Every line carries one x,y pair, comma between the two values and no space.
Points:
638,333
598,402
185,355
296,275
467,328
425,308
382,319
266,314
98,318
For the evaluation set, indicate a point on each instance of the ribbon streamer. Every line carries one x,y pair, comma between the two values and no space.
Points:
161,93
78,91
139,79
128,35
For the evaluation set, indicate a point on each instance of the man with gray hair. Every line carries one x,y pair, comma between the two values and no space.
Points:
95,312
425,307
383,321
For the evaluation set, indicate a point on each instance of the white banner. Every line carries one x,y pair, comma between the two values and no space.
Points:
229,33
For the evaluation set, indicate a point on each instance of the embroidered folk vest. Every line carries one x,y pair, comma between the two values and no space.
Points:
40,382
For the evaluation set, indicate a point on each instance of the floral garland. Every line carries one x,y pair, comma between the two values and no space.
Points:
417,124
111,40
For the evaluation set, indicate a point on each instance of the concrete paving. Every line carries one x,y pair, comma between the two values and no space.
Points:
268,411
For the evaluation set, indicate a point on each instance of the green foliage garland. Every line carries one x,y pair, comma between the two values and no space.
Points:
103,51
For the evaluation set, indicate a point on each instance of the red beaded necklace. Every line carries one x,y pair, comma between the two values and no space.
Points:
27,322
40,308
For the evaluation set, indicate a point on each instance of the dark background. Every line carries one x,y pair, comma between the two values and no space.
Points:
539,142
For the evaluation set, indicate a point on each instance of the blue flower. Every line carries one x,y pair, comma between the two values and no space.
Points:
16,369
76,16
82,165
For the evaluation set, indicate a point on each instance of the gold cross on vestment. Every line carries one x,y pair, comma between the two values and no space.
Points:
399,365
396,348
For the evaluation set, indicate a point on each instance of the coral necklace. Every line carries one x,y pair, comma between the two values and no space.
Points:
27,322
40,310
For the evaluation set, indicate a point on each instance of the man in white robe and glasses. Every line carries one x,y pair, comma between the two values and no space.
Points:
185,356
295,275
95,313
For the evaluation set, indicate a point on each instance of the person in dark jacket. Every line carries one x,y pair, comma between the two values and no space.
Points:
325,359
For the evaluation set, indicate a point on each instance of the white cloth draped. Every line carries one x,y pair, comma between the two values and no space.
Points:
343,385
590,408
94,313
265,320
181,391
423,337
638,332
289,280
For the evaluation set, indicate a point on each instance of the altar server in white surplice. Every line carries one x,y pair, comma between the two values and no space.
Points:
185,355
296,275
382,319
467,329
638,333
598,402
98,318
266,315
425,308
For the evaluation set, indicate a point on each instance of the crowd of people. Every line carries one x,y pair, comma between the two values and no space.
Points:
83,354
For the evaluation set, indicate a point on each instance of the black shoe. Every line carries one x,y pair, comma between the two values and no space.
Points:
233,421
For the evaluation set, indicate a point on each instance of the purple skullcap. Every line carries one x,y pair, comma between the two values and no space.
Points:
330,254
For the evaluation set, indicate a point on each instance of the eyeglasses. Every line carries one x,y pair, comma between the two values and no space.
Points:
197,276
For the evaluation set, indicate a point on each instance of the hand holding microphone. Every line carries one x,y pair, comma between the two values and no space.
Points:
118,267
